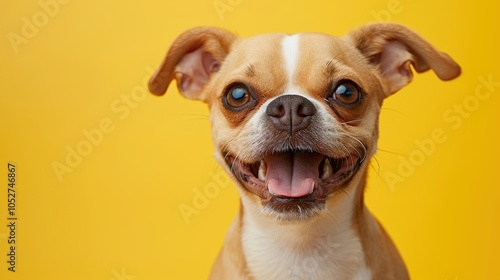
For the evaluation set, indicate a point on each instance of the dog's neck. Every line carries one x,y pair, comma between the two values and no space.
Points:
305,250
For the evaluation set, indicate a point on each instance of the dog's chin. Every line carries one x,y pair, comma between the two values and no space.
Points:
324,177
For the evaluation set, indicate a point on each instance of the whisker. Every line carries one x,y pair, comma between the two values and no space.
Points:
359,155
190,116
391,152
365,151
393,110
352,121
378,165
215,168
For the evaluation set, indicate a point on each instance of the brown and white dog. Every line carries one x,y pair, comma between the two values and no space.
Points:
295,123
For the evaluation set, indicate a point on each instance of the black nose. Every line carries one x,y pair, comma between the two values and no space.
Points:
291,112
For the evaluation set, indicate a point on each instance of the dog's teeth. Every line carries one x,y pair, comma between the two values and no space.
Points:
327,170
311,189
269,189
262,170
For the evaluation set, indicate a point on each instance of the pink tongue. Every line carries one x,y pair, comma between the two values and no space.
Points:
292,174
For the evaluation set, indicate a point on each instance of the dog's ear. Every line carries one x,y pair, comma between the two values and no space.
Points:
392,48
192,58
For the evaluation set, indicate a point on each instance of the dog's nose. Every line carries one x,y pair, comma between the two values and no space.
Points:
291,112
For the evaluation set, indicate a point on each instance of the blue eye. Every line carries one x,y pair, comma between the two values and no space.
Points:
238,93
347,93
237,97
343,90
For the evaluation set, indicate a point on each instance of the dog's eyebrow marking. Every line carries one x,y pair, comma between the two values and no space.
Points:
331,67
290,49
250,70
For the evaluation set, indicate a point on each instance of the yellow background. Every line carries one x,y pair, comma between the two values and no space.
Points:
116,214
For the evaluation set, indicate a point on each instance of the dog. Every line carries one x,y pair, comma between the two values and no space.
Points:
294,123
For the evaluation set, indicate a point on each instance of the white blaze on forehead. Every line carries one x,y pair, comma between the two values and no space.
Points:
290,49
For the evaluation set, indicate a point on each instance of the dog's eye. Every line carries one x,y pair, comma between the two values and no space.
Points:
237,97
347,93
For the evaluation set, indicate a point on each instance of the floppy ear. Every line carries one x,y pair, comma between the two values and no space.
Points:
392,48
192,58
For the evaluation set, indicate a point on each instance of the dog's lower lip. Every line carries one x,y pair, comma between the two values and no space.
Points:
280,199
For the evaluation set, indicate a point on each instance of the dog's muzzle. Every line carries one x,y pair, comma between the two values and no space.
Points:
293,183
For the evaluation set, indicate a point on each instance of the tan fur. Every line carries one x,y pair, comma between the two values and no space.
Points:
208,62
230,264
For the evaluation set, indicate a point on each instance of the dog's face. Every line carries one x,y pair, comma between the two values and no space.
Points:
295,117
292,120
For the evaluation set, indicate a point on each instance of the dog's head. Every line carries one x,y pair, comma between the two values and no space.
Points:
295,117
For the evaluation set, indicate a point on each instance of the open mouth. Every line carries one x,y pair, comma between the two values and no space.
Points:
295,183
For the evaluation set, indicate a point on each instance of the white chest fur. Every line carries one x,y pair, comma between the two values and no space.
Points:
327,248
